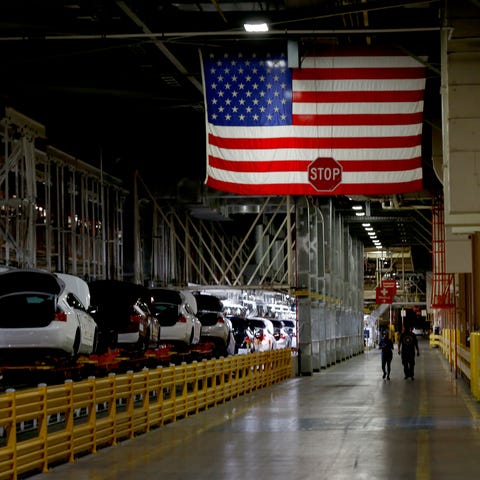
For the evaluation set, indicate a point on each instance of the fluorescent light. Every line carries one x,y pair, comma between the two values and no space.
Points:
255,27
357,207
360,214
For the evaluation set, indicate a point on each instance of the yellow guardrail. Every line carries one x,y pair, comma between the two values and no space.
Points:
463,358
49,425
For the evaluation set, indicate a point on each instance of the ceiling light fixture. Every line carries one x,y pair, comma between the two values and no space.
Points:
255,27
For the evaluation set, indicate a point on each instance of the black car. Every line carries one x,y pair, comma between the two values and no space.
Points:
121,310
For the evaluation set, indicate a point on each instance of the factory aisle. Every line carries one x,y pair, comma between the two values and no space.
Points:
343,423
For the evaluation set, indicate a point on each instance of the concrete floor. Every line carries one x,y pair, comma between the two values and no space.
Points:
342,423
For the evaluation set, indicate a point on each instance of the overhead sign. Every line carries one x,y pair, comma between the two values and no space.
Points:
384,295
324,174
391,285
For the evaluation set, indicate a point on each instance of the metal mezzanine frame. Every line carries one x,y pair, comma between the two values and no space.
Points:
56,212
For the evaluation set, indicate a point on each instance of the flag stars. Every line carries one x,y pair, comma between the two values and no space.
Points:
247,90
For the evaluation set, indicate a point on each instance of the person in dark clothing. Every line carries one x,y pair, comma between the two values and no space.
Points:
386,346
407,344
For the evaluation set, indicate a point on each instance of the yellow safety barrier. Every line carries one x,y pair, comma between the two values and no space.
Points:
474,364
463,359
49,425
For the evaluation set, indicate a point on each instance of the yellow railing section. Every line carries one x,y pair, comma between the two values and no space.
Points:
463,359
53,424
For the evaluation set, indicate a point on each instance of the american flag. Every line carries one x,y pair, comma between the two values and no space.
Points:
266,123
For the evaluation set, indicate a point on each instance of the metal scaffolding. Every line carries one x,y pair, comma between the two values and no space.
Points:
57,212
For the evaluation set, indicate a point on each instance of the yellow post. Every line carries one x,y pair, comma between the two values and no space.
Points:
474,368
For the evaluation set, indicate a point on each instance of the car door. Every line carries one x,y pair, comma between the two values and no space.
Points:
85,322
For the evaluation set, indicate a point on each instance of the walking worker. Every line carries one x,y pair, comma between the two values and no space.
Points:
386,346
407,344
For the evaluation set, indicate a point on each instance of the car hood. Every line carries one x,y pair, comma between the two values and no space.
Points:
77,286
12,281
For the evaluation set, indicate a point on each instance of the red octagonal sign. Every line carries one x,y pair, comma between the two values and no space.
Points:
324,174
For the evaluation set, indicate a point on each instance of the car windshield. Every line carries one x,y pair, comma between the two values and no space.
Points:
165,310
165,296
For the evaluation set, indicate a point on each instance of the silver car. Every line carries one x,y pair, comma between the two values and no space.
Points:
44,314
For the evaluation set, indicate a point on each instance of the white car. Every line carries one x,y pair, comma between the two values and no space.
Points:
216,327
263,331
284,340
44,314
176,311
291,328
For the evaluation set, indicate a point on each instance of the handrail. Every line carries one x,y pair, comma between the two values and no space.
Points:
54,424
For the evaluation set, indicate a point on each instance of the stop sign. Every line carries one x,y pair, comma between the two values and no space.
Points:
324,173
